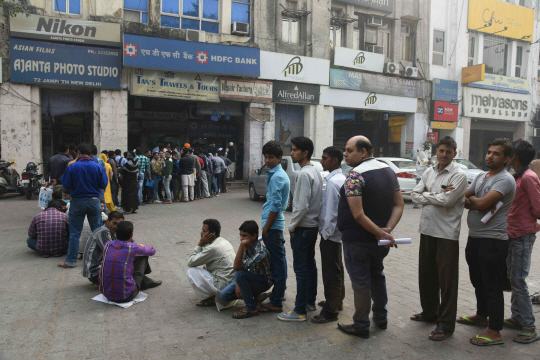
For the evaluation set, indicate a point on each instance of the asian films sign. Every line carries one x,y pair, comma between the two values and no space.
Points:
478,103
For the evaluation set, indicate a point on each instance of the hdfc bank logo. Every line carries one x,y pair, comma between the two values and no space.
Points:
202,57
130,50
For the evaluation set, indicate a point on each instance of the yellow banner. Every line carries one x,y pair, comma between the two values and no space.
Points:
396,121
446,125
473,73
491,16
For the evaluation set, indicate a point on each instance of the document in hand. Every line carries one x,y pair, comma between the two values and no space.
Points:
397,241
489,215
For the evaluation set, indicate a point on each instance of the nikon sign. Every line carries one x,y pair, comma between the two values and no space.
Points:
73,31
499,105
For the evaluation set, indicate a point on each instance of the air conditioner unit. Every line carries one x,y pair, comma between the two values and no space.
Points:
370,36
195,35
375,49
239,28
536,132
194,112
374,21
411,72
391,68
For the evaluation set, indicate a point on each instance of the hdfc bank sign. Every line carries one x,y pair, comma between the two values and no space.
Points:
444,111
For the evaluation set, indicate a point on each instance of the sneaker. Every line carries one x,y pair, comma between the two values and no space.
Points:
291,316
535,298
311,308
217,194
158,201
167,202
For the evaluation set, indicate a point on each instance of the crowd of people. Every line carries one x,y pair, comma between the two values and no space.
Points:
350,215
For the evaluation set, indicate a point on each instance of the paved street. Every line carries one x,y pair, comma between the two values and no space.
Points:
47,312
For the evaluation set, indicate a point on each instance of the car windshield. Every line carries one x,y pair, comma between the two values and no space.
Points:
464,164
404,164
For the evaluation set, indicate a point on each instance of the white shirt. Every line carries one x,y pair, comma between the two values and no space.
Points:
329,209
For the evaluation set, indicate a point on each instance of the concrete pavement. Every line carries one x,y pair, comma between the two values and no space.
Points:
47,312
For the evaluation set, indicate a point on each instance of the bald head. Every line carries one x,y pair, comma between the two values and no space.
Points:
362,142
358,149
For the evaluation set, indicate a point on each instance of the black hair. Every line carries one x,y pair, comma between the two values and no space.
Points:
84,149
94,149
251,227
125,154
174,153
115,215
138,150
524,151
106,152
63,147
270,148
213,226
56,203
124,229
118,152
507,146
185,151
364,144
448,141
111,154
334,153
147,150
168,152
57,194
303,143
72,146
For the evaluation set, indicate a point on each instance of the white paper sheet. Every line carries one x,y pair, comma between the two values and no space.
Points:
489,215
398,241
139,298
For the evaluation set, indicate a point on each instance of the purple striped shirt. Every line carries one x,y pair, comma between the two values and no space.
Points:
116,274
51,229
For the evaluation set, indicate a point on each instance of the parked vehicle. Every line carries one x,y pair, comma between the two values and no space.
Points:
470,169
257,182
9,179
31,181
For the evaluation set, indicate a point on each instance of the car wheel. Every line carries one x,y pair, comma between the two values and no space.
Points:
289,203
252,193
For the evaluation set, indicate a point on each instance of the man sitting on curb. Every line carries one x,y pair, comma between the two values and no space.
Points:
124,266
217,255
252,266
93,251
48,233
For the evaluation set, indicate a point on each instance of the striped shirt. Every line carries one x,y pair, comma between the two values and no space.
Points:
116,275
93,251
259,260
144,164
51,229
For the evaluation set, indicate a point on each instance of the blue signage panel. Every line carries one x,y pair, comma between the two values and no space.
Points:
36,62
167,54
445,90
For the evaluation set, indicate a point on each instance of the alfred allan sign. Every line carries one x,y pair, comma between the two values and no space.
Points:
66,30
295,93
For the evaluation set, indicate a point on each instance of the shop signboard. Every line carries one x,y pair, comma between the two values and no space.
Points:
157,115
443,125
444,111
381,84
295,93
386,6
223,110
175,85
433,136
43,63
212,129
364,100
504,83
287,67
65,30
501,18
245,90
396,120
445,90
177,55
473,73
486,104
359,59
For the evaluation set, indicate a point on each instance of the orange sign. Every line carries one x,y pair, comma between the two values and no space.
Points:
443,125
473,73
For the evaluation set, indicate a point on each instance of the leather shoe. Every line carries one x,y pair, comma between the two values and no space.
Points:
383,325
150,284
351,330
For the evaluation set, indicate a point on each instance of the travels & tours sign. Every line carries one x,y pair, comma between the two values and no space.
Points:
287,67
479,103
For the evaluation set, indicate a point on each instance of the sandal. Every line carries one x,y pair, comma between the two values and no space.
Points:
420,317
244,314
489,341
508,323
127,212
440,330
533,337
65,266
535,298
206,302
466,321
264,309
318,319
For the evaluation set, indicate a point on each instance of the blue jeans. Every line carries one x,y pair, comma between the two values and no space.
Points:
78,210
216,182
250,285
274,242
31,243
141,185
167,186
518,264
174,187
364,263
155,181
303,248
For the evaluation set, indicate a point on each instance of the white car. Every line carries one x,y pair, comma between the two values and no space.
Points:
405,170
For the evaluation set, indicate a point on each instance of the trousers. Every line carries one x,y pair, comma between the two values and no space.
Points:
204,185
333,275
305,268
275,243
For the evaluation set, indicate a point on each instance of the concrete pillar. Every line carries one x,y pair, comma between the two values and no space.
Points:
20,111
225,17
415,130
110,119
257,132
466,137
319,127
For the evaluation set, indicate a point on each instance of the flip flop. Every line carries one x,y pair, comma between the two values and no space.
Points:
469,322
245,314
419,317
326,320
265,309
489,341
533,337
511,325
440,330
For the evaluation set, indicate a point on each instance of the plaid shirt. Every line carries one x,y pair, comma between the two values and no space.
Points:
93,251
259,260
51,229
144,164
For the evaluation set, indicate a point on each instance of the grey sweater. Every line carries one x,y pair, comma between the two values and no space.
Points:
307,199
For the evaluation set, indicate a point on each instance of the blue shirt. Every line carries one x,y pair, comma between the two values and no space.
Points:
85,178
278,188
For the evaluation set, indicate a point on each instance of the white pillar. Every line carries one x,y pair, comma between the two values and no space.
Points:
415,130
110,119
319,127
259,128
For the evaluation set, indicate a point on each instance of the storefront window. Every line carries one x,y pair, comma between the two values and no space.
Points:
495,55
406,42
240,11
68,6
522,58
336,39
136,11
195,14
289,124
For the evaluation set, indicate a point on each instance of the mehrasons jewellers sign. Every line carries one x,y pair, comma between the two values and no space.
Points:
295,93
500,105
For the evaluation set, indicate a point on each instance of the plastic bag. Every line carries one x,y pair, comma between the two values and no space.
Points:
45,195
149,183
